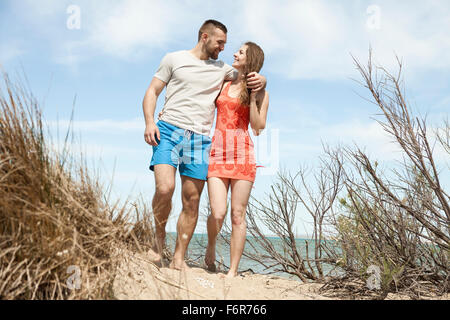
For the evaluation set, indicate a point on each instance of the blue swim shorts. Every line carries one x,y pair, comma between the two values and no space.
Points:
183,149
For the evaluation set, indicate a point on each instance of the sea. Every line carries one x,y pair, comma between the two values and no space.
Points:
197,247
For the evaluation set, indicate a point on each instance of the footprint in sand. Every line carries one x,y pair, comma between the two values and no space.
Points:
205,283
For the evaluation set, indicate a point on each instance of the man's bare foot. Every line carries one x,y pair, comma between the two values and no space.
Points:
210,258
154,257
178,265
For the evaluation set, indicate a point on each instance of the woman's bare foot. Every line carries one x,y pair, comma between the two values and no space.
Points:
231,274
178,265
210,258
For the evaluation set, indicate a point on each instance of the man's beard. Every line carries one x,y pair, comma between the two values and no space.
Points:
212,54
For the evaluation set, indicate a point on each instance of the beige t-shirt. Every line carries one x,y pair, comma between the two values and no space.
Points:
192,87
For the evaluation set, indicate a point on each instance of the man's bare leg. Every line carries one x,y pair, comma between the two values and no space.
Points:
162,205
191,190
217,190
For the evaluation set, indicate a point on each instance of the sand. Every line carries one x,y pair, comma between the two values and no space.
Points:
140,279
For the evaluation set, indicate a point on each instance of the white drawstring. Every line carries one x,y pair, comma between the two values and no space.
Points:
188,134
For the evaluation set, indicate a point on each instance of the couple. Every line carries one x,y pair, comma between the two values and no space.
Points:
196,83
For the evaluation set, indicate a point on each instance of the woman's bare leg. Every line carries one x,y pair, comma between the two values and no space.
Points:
240,193
217,192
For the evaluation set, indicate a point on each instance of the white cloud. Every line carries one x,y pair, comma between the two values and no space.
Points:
444,103
369,136
42,8
123,29
104,125
127,27
10,51
314,39
305,145
308,39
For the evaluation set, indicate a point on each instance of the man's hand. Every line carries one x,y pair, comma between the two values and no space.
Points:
149,105
256,82
151,134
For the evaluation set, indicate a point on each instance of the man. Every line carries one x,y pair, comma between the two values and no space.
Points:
193,79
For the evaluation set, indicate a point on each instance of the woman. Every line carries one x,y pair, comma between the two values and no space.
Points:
232,161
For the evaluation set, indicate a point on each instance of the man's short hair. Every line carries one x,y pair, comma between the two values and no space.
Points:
209,25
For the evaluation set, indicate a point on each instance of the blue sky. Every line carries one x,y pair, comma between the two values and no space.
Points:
110,60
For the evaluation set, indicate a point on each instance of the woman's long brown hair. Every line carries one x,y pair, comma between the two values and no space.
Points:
255,61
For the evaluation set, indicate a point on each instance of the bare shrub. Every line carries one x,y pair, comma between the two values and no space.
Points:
397,220
303,258
392,220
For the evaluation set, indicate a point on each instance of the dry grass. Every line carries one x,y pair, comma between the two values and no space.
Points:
54,226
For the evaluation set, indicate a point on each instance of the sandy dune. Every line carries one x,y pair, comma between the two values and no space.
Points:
138,279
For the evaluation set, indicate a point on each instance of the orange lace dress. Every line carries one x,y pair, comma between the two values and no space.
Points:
232,150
